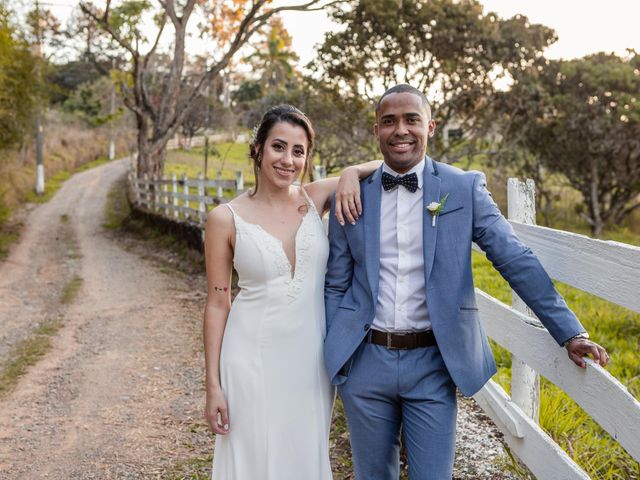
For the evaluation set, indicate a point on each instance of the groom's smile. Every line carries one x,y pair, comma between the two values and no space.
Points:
403,126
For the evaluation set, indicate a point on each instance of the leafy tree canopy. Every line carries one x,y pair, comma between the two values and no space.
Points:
581,118
449,49
18,87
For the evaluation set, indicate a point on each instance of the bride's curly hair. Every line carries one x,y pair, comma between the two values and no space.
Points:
280,113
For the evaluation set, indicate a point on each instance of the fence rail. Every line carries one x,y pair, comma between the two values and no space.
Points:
610,270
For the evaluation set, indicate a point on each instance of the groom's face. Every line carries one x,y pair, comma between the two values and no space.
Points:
403,127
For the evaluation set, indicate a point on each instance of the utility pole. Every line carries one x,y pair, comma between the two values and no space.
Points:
39,162
112,142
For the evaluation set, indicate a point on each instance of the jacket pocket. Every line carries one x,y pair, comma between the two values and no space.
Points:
353,308
469,309
442,214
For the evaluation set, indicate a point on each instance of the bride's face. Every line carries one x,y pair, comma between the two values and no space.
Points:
283,155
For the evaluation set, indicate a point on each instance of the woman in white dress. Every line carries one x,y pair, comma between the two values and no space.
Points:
268,397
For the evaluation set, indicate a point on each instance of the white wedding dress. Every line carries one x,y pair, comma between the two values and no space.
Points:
271,366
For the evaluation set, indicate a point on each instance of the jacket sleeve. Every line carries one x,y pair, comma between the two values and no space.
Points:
519,266
339,267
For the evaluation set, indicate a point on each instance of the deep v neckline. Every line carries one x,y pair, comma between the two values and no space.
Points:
292,265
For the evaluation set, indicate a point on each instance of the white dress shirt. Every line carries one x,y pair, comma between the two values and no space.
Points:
402,303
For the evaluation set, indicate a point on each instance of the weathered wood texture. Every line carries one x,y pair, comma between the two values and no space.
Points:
600,394
607,269
525,438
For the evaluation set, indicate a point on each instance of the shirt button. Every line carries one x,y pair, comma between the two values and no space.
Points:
366,327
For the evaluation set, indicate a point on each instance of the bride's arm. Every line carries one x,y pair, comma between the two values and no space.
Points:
347,186
219,257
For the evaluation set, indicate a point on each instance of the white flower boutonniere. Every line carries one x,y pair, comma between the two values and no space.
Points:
435,208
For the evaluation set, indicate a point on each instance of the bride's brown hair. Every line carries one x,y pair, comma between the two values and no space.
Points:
273,116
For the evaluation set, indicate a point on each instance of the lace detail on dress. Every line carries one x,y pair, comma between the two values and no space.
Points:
304,248
304,243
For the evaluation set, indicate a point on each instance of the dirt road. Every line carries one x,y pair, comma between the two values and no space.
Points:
119,393
116,395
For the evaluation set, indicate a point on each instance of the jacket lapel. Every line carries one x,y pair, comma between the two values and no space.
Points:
431,193
371,204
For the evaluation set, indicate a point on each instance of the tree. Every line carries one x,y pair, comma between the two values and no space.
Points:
18,85
450,49
343,125
273,57
581,118
230,23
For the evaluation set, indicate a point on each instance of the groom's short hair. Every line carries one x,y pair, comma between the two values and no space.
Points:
406,88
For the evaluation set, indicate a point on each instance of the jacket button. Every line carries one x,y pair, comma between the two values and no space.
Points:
366,327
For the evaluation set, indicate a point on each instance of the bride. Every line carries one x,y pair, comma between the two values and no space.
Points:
268,397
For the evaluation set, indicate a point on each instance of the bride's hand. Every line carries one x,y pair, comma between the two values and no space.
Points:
216,412
348,196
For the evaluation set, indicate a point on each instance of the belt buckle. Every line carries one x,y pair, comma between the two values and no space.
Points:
389,346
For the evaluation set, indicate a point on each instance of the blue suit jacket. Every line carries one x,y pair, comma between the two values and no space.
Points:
470,215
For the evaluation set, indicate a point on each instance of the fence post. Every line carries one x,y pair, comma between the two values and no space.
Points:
319,172
185,191
174,195
202,207
525,382
239,182
156,195
219,189
165,197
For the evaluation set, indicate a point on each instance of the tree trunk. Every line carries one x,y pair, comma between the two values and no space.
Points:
597,225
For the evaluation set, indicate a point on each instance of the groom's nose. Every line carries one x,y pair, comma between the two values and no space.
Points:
401,128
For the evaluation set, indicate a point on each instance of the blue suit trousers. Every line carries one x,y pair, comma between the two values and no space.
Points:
394,394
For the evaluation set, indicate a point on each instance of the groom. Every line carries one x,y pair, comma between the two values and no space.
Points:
402,323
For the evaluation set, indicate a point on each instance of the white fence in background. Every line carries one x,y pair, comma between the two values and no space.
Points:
184,199
609,270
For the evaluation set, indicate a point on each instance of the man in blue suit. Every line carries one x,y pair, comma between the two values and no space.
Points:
402,322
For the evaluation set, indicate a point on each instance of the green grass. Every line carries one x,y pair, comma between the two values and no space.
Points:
615,328
70,290
117,207
26,353
232,157
9,232
196,468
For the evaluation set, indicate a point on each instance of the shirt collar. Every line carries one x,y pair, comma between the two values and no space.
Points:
418,169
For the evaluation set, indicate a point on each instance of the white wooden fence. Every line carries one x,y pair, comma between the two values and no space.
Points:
609,270
176,199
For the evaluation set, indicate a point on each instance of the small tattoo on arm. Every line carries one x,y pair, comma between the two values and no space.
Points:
220,289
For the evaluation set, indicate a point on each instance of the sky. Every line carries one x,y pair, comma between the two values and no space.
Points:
583,26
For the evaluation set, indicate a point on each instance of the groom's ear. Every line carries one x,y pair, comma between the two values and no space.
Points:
375,129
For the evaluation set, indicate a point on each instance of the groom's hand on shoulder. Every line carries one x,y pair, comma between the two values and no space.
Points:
577,348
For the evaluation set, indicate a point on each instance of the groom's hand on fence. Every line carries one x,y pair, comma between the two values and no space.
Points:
581,347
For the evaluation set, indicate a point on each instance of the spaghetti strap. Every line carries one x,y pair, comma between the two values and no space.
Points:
309,201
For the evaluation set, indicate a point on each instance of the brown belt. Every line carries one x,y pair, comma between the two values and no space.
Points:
401,341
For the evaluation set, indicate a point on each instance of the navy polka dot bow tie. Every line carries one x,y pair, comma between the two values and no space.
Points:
410,182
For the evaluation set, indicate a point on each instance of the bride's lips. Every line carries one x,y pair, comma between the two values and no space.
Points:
284,172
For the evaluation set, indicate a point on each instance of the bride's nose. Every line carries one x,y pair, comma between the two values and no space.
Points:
287,157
